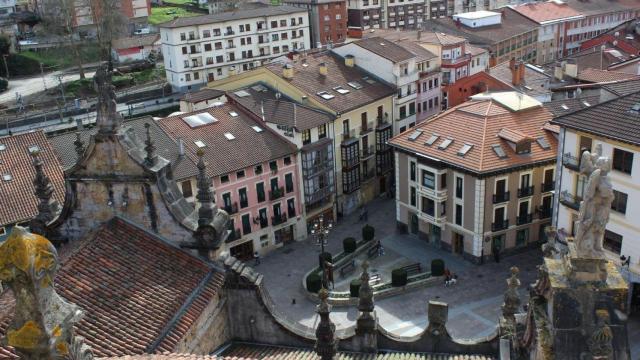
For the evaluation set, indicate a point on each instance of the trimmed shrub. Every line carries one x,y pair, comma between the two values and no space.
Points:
437,267
314,282
368,232
354,287
399,277
325,256
349,245
4,84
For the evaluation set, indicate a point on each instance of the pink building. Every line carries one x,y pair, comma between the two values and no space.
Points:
255,176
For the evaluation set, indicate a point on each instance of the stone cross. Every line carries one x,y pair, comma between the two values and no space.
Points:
326,345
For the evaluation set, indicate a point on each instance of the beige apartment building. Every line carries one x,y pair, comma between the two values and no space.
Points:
478,179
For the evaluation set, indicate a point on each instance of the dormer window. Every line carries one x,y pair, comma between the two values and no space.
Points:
523,147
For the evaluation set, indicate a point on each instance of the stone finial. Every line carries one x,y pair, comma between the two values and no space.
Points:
365,297
44,191
149,147
107,118
206,233
511,298
79,145
43,321
366,324
600,343
326,345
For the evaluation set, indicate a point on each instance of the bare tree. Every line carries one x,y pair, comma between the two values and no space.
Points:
110,22
59,17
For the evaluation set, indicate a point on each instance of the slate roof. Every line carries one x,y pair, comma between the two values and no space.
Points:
19,203
613,119
478,123
385,49
282,111
420,53
595,7
597,75
571,105
534,81
431,37
135,41
131,285
183,167
622,88
202,95
236,14
544,12
248,148
307,78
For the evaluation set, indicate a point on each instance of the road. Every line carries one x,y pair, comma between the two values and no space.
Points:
34,84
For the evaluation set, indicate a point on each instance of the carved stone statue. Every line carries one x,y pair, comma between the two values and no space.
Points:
326,345
511,298
600,343
596,204
107,118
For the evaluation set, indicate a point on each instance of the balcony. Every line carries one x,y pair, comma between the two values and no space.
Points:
571,162
439,194
500,225
262,221
500,198
382,122
524,219
350,187
524,192
544,213
350,162
318,198
348,136
263,41
569,200
546,187
367,128
278,219
234,235
231,209
458,60
230,46
367,152
276,193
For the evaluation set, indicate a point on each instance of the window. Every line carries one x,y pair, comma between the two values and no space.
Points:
219,59
196,76
246,224
443,181
345,127
184,50
207,47
458,214
260,191
459,187
287,160
619,203
264,240
443,208
622,161
274,24
413,196
403,112
240,174
428,206
262,214
183,37
258,169
612,241
187,77
428,179
291,208
283,23
522,237
244,199
288,182
306,136
322,131
273,165
226,200
412,171
224,179
206,33
187,191
412,108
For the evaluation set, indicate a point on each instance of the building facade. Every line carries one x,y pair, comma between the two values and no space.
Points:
206,48
328,20
478,208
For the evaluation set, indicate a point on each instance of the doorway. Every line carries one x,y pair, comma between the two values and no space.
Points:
634,309
383,184
414,224
243,251
284,235
458,243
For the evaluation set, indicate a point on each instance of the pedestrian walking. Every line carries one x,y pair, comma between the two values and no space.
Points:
256,258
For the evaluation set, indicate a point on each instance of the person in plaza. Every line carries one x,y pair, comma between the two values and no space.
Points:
447,276
256,258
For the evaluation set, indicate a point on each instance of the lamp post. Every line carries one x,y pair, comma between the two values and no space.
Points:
320,231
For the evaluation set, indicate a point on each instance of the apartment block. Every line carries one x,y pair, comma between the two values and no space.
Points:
610,127
206,48
478,180
365,15
328,19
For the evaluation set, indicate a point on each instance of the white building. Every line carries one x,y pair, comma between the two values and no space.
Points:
615,126
205,48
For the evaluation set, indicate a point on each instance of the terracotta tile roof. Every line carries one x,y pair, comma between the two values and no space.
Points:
420,52
247,148
567,106
474,50
202,95
593,7
19,203
282,110
614,119
236,14
7,306
385,49
135,41
478,123
131,286
542,12
183,167
514,136
597,75
308,79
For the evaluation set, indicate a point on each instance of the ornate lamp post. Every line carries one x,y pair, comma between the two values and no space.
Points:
320,231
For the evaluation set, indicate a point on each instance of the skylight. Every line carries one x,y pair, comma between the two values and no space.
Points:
414,135
33,149
199,119
7,177
325,95
432,139
564,106
543,143
354,84
586,103
445,143
369,80
233,113
3,147
257,129
259,88
200,143
229,136
464,149
499,151
634,109
242,93
341,90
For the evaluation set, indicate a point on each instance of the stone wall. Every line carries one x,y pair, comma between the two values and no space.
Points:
210,331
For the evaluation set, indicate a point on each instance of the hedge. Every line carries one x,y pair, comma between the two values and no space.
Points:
314,282
399,277
349,245
368,232
437,267
354,287
4,84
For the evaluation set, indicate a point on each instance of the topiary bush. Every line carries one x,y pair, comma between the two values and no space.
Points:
4,84
368,232
349,245
314,282
399,277
437,267
325,256
354,287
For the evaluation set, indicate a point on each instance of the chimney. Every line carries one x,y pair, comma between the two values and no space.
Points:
180,147
515,73
512,63
323,69
349,60
287,71
557,71
493,60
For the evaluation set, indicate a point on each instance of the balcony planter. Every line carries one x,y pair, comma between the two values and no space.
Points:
349,245
437,267
368,232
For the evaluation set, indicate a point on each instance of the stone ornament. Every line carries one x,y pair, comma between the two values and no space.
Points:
326,344
596,204
107,118
42,324
511,297
600,343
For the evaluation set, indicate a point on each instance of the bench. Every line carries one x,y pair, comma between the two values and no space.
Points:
374,251
347,268
412,269
374,279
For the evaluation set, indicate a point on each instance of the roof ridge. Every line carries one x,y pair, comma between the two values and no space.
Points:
484,133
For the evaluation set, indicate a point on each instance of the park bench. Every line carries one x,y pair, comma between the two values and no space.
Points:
412,269
374,279
374,251
347,268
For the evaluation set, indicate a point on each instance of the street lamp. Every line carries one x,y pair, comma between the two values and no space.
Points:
320,231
